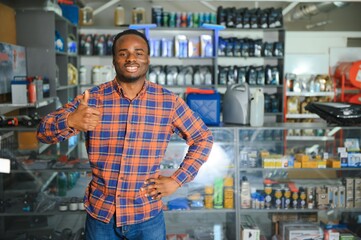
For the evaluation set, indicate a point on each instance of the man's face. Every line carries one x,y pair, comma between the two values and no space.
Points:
131,58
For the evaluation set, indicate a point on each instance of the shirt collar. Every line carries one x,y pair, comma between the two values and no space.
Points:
118,88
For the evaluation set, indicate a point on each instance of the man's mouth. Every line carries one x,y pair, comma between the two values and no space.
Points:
131,68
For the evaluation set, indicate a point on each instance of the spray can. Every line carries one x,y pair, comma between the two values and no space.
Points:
228,192
208,197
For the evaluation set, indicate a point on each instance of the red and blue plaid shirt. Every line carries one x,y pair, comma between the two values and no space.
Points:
128,147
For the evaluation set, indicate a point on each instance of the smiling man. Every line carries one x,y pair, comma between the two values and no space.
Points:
128,123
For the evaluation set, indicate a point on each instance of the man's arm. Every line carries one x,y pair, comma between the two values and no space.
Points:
68,121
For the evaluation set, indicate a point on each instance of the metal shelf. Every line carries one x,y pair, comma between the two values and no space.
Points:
303,116
309,138
44,102
310,94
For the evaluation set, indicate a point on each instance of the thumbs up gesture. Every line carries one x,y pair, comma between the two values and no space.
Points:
84,118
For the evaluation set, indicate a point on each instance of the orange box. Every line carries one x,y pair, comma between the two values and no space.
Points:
302,157
297,165
309,164
321,163
27,140
333,163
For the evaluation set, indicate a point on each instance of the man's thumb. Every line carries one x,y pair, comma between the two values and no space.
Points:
85,98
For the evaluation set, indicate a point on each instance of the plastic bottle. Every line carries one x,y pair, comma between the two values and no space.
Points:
228,192
62,184
245,193
218,193
208,196
257,108
119,16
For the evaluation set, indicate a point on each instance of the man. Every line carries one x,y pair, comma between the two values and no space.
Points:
128,123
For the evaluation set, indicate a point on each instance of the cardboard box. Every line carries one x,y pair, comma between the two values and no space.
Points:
27,140
353,159
249,229
298,229
309,164
303,232
333,163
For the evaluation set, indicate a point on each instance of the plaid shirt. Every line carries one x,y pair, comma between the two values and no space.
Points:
128,147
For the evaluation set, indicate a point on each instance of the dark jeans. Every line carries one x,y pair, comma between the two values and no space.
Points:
153,229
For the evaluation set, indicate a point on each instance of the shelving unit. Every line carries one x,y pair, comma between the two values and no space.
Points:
44,60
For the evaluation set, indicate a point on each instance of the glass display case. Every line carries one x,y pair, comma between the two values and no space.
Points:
255,181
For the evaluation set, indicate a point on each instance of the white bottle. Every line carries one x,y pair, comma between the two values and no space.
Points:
245,193
257,108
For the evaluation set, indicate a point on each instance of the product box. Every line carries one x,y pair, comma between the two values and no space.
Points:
268,162
208,106
71,12
249,229
19,92
333,163
300,230
302,157
353,159
27,140
309,164
303,232
343,159
331,234
321,163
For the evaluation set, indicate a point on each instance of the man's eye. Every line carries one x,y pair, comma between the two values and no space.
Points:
122,54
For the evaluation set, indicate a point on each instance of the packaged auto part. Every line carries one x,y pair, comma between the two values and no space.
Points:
275,18
231,76
237,48
222,75
245,46
206,45
257,48
241,74
267,49
221,16
181,46
231,13
278,49
263,19
247,19
254,18
252,76
230,47
260,75
222,46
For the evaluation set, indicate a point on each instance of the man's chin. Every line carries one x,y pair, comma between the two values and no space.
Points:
128,79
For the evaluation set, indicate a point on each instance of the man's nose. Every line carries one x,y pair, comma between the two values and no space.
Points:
131,57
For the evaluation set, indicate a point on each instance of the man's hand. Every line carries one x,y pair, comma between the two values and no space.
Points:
160,187
84,118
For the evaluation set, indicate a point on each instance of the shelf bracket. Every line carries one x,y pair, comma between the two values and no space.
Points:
144,27
105,6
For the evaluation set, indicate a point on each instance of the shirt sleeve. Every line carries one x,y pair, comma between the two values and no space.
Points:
54,128
190,127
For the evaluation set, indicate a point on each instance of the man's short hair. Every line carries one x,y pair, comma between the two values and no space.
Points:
129,32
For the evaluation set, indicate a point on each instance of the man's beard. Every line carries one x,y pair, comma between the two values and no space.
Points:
125,79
